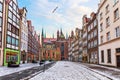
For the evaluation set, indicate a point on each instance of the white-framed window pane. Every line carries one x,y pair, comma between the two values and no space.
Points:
10,14
117,31
17,42
9,39
1,8
0,21
13,41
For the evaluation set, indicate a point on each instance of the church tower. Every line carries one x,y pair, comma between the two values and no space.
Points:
58,35
42,37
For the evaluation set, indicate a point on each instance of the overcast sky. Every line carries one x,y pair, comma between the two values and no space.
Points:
67,16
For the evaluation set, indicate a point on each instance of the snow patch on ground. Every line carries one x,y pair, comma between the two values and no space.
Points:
113,73
4,70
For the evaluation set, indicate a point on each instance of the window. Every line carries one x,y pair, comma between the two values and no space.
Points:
117,50
17,21
91,34
101,39
14,7
117,31
9,26
13,29
108,36
107,22
115,1
92,26
53,54
10,14
101,16
17,32
14,18
95,43
48,54
88,45
89,28
17,43
101,27
95,33
1,7
116,14
92,44
95,23
0,36
88,36
102,56
0,22
13,41
9,39
109,55
107,9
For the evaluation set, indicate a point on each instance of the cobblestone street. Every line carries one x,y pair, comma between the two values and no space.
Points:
64,70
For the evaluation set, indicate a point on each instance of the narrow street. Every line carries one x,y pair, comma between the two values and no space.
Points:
64,70
26,74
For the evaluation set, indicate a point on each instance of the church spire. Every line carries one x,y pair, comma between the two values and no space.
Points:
53,35
45,35
66,35
42,32
61,32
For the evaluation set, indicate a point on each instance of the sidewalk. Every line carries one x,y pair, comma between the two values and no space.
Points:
4,70
104,70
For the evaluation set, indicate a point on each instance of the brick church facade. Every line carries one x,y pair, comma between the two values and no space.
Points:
62,43
54,48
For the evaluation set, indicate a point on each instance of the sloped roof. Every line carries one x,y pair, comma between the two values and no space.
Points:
48,40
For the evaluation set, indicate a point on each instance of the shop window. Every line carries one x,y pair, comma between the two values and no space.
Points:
11,57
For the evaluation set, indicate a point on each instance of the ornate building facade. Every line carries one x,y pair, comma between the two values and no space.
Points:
62,43
93,38
24,34
61,47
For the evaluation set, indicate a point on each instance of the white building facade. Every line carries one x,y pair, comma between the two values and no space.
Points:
109,32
